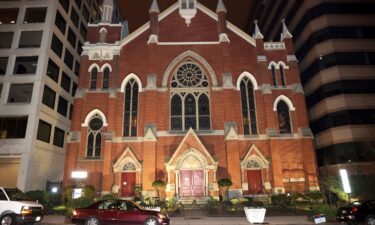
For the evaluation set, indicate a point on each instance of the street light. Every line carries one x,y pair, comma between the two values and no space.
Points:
345,182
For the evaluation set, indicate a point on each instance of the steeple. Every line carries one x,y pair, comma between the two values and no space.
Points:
257,34
154,7
107,12
285,34
220,7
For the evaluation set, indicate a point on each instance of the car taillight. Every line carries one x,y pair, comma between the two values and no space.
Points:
25,210
75,213
354,210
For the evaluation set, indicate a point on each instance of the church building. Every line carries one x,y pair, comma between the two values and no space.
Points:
190,99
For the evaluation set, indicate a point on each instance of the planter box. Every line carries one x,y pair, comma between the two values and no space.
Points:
255,215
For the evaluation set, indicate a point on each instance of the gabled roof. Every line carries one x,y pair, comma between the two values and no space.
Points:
200,7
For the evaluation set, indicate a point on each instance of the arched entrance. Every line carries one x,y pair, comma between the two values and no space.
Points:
191,177
127,171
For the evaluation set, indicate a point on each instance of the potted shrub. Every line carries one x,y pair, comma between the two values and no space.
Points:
224,185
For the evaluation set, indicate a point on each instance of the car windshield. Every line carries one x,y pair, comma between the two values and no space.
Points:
16,195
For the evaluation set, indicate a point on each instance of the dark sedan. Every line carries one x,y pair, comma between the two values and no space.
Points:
109,212
358,212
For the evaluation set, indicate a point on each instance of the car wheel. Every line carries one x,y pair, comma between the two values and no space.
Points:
151,221
92,220
8,219
370,220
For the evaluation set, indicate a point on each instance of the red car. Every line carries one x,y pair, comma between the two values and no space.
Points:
117,212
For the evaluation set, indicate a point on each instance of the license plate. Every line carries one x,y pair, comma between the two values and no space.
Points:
37,218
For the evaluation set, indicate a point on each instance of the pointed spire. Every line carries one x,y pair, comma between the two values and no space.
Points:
154,7
257,34
221,7
107,11
286,33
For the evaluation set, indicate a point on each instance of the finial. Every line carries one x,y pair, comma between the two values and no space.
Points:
286,33
257,34
154,7
107,11
220,7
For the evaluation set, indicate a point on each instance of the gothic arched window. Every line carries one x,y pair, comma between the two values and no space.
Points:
190,104
94,140
282,76
131,109
273,73
103,35
248,107
253,164
106,78
283,117
129,166
93,78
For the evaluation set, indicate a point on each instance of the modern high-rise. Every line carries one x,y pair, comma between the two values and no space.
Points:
40,47
334,42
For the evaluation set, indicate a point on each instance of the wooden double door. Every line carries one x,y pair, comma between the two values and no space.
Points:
191,183
127,184
254,180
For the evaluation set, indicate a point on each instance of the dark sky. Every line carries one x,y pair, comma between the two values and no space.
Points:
136,11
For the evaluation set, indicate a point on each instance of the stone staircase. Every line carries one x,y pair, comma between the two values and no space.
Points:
190,200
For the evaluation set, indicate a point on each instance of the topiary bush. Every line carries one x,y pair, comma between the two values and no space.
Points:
88,191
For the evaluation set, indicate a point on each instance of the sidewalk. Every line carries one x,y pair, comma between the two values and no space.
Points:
276,220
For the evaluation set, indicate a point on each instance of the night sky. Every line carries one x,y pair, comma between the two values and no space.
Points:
136,11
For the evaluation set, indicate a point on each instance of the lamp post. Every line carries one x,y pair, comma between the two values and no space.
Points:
345,182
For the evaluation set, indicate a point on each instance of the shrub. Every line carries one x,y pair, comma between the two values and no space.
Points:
159,185
42,197
81,202
88,191
323,209
280,200
108,197
224,185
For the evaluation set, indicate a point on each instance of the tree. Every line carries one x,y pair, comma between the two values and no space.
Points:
159,185
224,185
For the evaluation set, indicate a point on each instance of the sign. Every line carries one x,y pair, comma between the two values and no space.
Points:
255,215
319,219
77,193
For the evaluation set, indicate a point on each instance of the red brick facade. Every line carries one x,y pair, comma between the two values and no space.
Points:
151,56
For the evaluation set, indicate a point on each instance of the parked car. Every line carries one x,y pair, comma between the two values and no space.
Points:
16,208
358,212
109,212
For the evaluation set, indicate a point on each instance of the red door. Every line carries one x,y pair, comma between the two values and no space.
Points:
127,184
254,180
191,183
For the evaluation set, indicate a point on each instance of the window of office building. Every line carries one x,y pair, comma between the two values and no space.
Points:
20,93
58,137
65,82
83,31
25,65
49,97
44,131
76,68
3,65
13,127
68,59
71,111
30,39
6,39
56,45
74,89
85,13
62,107
35,15
60,22
79,48
53,70
78,3
65,5
8,15
1,89
74,17
72,37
